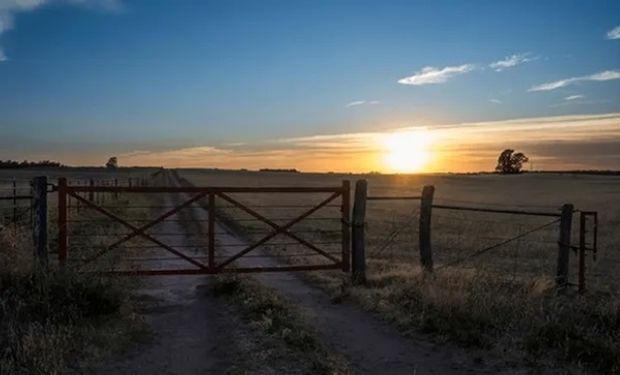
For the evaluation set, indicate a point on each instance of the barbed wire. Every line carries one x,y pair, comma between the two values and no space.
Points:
389,240
494,246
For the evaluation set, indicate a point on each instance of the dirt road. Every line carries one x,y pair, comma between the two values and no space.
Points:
192,332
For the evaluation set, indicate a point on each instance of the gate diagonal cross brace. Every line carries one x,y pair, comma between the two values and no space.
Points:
139,231
277,228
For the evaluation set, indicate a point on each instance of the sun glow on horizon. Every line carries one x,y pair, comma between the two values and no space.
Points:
407,151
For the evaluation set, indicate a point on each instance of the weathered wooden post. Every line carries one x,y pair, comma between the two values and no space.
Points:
14,204
91,194
32,203
62,220
101,194
211,230
357,229
345,224
79,202
566,220
116,185
39,229
426,209
582,252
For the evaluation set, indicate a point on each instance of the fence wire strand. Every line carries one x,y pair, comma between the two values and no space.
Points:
494,246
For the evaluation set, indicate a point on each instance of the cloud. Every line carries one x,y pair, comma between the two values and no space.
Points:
606,75
495,101
511,61
574,97
614,33
361,102
8,9
431,75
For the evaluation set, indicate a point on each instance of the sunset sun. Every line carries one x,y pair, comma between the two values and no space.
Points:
407,151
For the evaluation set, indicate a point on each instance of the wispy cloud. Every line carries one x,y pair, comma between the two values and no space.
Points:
431,75
574,97
361,102
614,33
495,101
8,9
606,75
512,61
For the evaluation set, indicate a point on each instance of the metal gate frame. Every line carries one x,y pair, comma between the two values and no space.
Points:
342,192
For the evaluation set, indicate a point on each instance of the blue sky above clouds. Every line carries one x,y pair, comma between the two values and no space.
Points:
120,75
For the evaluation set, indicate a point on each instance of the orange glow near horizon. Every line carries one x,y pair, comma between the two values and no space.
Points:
550,142
407,151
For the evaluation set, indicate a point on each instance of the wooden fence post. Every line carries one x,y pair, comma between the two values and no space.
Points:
91,194
62,220
39,229
426,209
566,220
345,212
359,217
14,204
211,230
582,252
116,185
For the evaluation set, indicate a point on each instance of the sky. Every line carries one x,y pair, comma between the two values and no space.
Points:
317,85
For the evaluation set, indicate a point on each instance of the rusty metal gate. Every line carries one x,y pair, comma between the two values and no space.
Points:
210,260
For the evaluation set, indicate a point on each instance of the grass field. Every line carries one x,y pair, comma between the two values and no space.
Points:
503,300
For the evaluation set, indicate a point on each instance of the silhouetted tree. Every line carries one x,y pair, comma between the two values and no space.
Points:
112,163
510,162
11,164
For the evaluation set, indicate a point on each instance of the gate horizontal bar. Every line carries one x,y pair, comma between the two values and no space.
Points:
207,271
196,189
16,197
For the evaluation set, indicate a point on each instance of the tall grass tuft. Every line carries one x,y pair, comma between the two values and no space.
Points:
479,310
46,318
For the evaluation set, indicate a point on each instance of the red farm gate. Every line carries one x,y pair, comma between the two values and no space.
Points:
77,205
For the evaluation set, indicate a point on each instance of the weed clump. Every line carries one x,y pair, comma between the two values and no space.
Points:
270,314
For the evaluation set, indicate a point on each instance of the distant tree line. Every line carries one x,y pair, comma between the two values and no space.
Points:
13,164
292,170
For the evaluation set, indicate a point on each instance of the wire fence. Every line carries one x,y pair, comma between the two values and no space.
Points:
15,203
512,242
